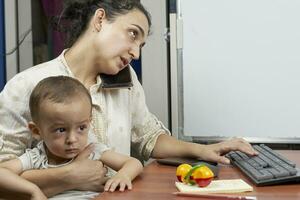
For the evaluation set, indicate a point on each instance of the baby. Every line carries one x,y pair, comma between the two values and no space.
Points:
61,114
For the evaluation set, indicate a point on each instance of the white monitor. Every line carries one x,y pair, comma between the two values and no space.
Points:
240,72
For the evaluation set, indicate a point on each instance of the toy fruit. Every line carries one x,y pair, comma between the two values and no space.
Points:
199,174
182,171
203,176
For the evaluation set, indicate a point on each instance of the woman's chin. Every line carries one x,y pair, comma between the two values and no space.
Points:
114,71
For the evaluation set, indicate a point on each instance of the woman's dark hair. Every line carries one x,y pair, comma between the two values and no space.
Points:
76,15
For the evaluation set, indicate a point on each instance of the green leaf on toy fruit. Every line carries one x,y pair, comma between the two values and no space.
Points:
187,177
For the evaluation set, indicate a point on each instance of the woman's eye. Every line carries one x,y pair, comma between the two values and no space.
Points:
133,34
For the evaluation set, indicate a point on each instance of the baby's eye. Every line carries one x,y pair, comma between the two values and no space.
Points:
82,127
60,130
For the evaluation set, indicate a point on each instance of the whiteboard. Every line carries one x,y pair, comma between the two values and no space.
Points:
241,68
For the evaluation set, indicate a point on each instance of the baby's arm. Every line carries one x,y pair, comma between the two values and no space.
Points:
14,186
128,168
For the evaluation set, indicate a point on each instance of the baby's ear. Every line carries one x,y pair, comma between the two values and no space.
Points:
34,130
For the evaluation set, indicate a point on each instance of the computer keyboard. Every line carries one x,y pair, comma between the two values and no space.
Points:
267,168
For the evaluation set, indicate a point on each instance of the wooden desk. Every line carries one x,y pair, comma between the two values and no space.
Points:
157,182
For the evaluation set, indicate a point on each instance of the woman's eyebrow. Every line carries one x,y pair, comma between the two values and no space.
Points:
140,28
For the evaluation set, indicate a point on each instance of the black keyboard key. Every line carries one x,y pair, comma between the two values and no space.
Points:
254,164
260,161
279,156
234,156
278,171
242,155
260,175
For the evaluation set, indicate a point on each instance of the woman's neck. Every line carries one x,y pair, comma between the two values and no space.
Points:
81,64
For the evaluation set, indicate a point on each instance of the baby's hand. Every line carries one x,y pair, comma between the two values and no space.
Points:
122,181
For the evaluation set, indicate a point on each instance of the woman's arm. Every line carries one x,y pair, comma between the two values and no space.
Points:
81,174
128,168
168,146
146,128
14,112
12,186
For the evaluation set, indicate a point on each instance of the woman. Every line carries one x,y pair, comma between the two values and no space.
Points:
104,37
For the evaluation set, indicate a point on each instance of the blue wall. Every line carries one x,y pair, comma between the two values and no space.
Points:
2,47
137,66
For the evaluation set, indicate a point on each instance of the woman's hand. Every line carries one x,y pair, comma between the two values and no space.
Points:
81,174
216,152
87,174
120,180
37,194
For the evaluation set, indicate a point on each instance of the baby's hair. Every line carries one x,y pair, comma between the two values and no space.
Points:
56,89
76,15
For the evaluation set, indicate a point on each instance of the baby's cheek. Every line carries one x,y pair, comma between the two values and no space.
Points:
83,142
56,148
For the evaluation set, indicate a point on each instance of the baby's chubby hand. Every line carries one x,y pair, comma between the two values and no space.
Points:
120,180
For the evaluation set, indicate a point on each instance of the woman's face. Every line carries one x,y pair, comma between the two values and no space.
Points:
119,42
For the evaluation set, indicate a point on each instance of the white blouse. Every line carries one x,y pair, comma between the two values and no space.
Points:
121,119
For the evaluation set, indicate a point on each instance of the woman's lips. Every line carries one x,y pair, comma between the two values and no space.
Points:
124,61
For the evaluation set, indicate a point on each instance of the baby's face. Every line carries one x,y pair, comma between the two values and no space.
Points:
64,128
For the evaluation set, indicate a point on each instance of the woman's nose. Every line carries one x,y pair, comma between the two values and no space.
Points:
135,52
